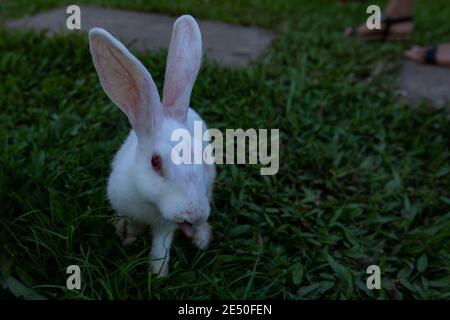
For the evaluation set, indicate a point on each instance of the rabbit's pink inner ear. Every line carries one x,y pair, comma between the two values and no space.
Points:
118,82
183,64
126,81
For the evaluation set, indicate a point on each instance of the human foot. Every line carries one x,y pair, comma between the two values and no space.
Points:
439,55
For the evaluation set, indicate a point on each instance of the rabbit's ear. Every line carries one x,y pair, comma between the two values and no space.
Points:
183,63
125,80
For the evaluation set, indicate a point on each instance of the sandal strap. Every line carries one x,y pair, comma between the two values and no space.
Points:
391,21
388,22
430,55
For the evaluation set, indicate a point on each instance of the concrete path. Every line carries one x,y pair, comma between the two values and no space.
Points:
229,45
420,82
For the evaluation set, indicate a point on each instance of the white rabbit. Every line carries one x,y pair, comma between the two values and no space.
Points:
145,186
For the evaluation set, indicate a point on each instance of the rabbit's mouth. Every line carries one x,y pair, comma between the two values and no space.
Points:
186,227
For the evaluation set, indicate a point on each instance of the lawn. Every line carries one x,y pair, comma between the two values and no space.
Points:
364,178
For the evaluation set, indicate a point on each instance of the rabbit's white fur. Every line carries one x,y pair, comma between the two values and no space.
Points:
175,193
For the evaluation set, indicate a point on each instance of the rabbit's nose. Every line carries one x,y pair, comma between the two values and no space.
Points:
194,217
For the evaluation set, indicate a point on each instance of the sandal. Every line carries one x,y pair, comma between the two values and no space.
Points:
430,55
384,33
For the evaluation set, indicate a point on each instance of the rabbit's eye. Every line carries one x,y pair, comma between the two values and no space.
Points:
156,162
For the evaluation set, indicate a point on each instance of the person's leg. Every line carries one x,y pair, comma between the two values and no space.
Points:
394,9
441,56
399,8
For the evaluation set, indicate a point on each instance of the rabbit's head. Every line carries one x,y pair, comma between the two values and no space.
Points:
179,191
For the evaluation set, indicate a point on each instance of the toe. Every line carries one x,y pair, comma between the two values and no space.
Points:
416,54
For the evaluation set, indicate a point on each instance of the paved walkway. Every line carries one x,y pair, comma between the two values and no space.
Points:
418,82
229,45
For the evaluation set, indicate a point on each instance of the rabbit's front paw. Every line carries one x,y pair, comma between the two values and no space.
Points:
128,231
202,236
159,268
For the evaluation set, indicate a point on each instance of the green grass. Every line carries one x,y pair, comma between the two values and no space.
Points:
364,179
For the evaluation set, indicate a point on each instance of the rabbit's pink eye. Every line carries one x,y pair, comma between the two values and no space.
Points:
156,162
